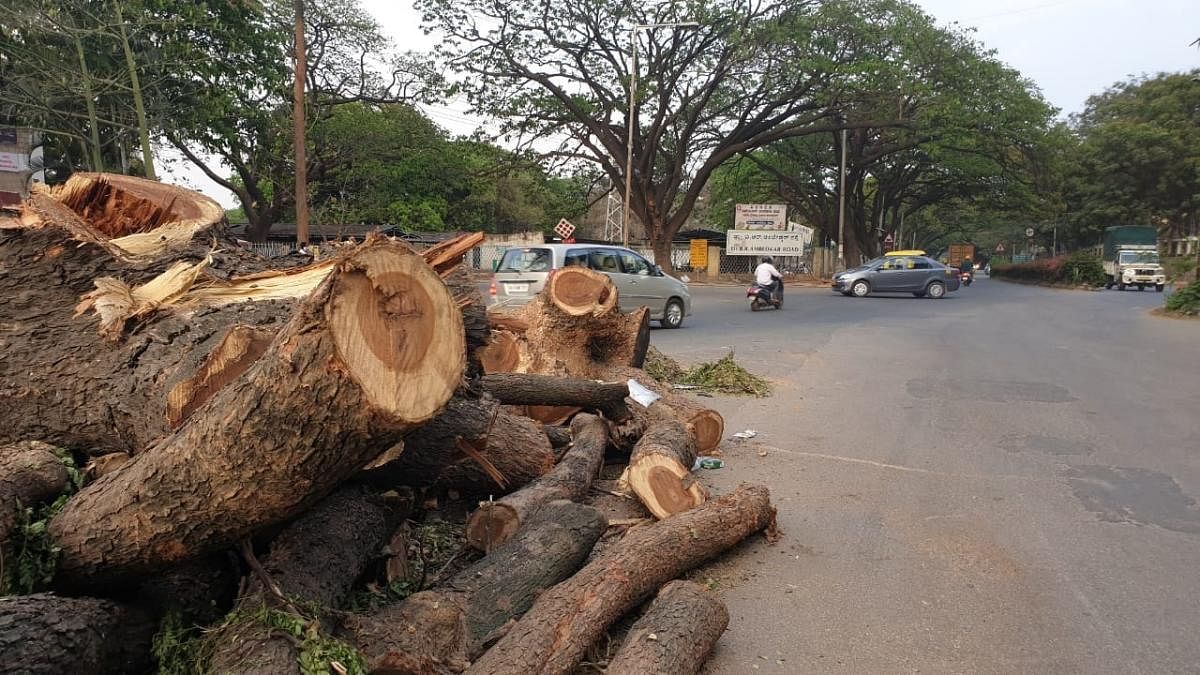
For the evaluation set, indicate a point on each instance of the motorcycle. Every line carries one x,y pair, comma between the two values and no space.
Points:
762,297
966,278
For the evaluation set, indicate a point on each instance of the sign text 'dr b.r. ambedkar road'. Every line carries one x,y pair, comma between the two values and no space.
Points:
764,242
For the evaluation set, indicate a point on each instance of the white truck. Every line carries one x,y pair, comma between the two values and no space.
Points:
1131,258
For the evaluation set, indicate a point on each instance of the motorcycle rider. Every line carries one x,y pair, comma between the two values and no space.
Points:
766,276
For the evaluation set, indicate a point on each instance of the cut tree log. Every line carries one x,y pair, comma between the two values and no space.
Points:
313,562
560,437
606,398
573,327
442,629
566,620
675,635
705,425
166,303
48,634
472,447
495,522
660,470
376,350
30,473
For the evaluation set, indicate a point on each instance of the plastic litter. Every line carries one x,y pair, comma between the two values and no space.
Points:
743,435
685,386
641,394
711,463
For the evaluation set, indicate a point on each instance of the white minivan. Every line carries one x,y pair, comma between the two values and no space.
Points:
522,274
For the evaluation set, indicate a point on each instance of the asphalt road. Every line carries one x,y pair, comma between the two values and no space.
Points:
1000,481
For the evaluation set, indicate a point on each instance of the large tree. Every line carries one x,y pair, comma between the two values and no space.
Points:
973,128
558,74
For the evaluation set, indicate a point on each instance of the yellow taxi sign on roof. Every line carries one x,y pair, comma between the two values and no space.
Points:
908,252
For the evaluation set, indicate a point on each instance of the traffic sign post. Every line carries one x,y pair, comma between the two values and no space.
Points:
564,229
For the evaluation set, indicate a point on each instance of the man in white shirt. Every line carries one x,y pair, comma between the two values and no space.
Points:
766,275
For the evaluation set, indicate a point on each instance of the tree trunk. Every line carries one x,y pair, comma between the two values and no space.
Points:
660,470
566,620
30,473
45,633
313,562
675,635
661,245
442,629
495,522
606,398
573,327
471,447
376,350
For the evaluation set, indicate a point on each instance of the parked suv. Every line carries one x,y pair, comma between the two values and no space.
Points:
523,272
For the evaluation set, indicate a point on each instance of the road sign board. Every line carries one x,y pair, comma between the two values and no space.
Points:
759,216
758,242
699,254
564,229
1029,232
1000,248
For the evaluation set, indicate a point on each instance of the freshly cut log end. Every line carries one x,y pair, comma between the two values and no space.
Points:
494,522
237,351
502,354
30,473
398,332
659,470
708,427
578,291
45,634
675,635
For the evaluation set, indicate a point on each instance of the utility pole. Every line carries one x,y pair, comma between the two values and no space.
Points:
842,205
298,130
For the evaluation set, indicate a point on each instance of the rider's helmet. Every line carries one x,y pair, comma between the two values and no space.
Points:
767,259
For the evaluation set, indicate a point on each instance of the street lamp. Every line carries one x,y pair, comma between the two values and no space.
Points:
841,120
633,32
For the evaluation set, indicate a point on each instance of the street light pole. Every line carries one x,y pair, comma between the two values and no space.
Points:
633,76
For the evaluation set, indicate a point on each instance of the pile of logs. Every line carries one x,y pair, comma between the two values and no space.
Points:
256,437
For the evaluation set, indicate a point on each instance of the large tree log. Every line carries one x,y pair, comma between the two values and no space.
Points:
606,398
660,470
675,635
48,634
472,447
314,562
376,350
30,473
156,264
495,522
444,628
566,620
573,327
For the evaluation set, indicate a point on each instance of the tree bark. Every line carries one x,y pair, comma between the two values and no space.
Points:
30,473
376,350
675,635
706,426
442,629
48,634
566,620
314,562
606,398
660,470
560,437
494,522
471,447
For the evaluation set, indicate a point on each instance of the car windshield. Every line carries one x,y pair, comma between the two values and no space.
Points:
1139,257
875,262
526,260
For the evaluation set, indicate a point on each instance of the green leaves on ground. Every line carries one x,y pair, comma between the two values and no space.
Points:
723,376
1185,300
35,557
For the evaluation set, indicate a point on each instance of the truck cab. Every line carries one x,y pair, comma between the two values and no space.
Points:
1131,258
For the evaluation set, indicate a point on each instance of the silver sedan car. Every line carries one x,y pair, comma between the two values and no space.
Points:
921,276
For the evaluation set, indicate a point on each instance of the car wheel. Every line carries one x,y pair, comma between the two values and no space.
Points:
1120,285
936,290
1141,287
860,289
1109,284
918,294
672,315
1158,287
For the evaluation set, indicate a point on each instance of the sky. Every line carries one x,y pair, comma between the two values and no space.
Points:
1070,49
